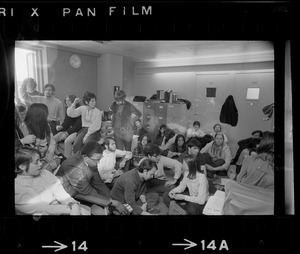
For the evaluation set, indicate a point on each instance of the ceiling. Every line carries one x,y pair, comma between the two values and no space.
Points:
188,52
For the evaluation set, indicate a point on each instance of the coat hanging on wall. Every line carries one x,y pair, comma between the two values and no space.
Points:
268,110
229,112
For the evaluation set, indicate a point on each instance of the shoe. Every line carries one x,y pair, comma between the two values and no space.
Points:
154,210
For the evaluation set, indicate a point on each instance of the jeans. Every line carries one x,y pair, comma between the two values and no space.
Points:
78,143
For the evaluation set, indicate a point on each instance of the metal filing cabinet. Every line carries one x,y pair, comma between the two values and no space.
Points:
156,114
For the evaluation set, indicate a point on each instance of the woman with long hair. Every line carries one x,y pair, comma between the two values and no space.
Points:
258,170
68,130
37,191
217,156
20,138
192,192
178,147
138,152
37,125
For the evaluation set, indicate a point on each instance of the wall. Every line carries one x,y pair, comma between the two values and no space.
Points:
110,74
229,80
68,80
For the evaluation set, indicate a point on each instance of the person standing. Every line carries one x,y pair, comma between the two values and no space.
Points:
31,87
122,120
56,110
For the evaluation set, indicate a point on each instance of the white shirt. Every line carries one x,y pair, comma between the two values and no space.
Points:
41,195
106,166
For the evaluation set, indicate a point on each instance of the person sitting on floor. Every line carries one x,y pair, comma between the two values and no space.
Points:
138,129
258,170
108,167
250,149
256,137
218,129
131,189
36,124
192,192
81,172
68,130
195,131
178,147
39,192
217,156
160,183
91,119
163,137
20,139
138,152
193,149
55,106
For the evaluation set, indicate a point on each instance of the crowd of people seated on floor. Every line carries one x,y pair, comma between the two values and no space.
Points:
178,168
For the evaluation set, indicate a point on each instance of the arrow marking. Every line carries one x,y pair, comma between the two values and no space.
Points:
60,247
190,244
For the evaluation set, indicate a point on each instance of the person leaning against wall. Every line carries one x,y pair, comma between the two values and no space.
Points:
122,120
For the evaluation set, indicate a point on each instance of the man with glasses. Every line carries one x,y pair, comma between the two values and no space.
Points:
81,172
160,183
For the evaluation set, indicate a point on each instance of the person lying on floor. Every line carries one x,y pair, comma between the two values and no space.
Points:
217,156
81,172
38,191
108,167
192,192
131,189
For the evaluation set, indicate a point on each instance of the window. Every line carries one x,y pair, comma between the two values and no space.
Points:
211,92
29,62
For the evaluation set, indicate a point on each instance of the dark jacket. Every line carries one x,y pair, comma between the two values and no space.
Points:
229,112
71,124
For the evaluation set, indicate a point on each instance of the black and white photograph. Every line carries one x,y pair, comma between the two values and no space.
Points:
133,117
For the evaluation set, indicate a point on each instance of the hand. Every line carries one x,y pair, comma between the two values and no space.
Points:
169,183
120,208
144,207
29,139
58,127
122,163
63,136
118,173
75,210
77,100
179,197
172,194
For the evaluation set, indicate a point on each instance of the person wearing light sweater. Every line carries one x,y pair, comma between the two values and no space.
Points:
107,167
195,131
217,156
192,192
38,191
91,118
